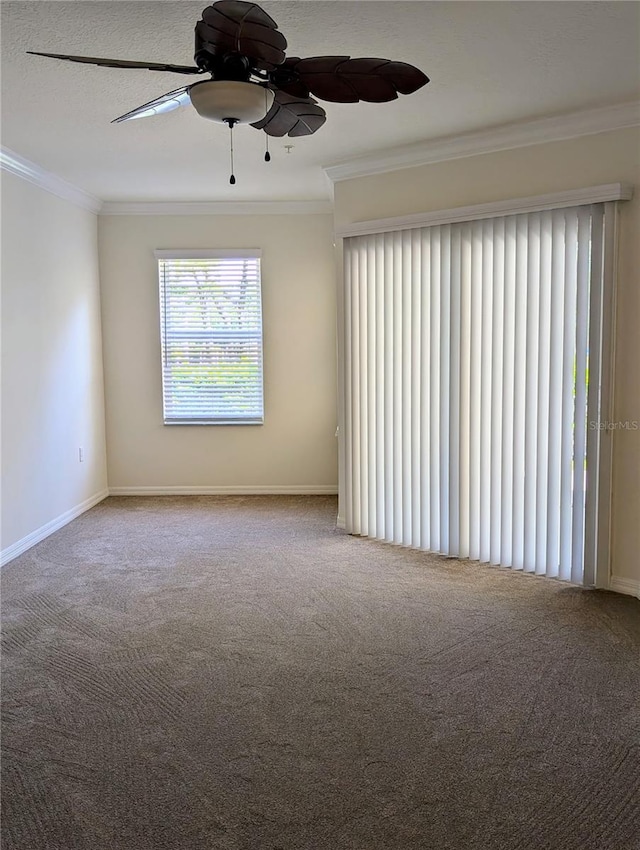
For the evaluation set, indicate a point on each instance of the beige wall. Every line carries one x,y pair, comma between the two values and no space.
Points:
552,167
52,390
296,446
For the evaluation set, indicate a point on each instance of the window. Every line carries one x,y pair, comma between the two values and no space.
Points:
211,335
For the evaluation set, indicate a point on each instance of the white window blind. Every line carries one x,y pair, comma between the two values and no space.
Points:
472,370
211,335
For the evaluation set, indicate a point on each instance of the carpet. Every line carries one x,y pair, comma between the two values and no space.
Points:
235,673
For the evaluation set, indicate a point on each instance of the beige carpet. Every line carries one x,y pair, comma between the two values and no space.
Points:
236,674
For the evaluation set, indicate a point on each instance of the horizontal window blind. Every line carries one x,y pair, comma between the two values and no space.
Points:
211,334
467,357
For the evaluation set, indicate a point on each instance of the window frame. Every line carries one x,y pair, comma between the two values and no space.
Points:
164,255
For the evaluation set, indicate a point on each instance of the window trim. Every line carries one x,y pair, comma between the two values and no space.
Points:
161,254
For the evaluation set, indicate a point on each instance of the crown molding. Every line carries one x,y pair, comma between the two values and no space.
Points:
506,137
218,208
32,173
553,201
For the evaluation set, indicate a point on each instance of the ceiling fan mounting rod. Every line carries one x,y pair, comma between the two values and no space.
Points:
227,66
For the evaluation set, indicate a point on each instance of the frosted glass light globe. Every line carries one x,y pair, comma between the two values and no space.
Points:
225,100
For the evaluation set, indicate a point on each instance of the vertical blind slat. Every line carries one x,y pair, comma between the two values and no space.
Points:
495,419
486,371
519,397
454,393
476,386
507,503
350,367
592,454
570,295
580,393
531,367
416,388
556,460
398,461
464,389
358,460
406,345
372,344
380,424
424,372
434,477
389,443
363,408
543,424
445,386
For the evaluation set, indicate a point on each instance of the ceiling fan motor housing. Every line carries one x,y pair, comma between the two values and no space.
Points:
231,100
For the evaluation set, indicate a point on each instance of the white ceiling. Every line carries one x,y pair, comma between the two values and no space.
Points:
490,63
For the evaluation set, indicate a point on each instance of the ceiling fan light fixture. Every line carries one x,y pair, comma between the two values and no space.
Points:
231,100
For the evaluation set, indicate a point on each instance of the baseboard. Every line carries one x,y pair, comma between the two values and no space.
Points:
233,490
39,534
625,585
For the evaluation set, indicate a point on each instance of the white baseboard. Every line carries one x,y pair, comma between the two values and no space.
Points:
232,490
625,585
39,534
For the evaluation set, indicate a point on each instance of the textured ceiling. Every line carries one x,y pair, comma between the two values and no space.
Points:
490,63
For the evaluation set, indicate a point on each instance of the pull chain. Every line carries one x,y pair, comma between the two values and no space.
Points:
267,155
232,179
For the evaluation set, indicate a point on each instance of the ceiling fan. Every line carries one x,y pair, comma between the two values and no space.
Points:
252,81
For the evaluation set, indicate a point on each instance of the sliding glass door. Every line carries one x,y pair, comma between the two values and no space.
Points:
473,361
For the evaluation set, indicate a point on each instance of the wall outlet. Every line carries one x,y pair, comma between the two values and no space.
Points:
81,455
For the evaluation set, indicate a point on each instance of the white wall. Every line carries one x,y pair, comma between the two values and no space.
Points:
535,170
52,388
296,446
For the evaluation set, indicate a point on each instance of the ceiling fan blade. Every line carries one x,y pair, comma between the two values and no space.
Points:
292,116
345,80
165,103
121,63
233,26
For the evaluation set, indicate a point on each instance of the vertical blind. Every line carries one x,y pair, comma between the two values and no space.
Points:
466,386
211,335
